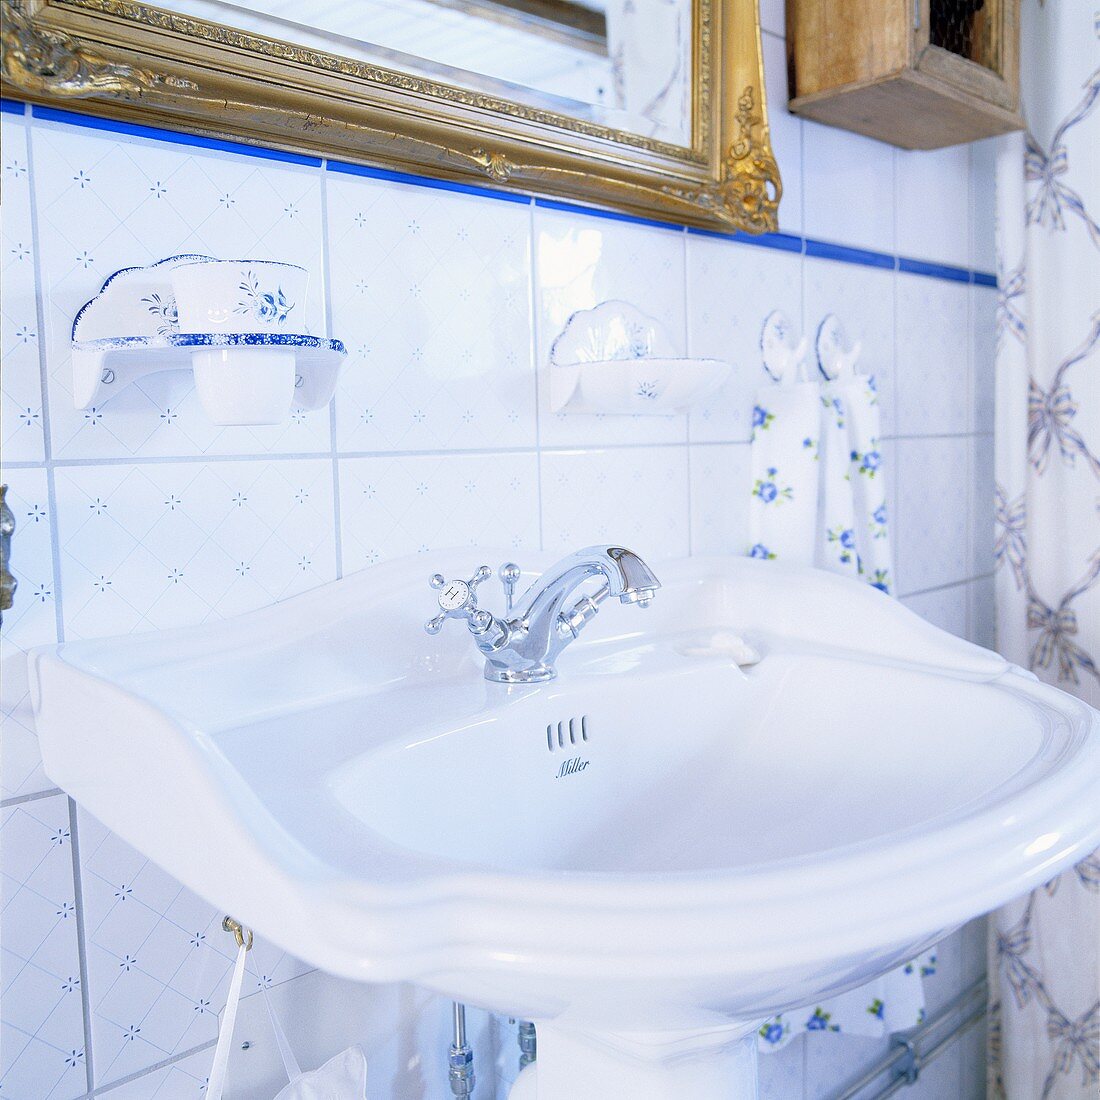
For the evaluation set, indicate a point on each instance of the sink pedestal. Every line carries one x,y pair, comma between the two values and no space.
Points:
710,1064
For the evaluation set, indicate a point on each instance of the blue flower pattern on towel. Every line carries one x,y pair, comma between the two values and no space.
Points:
269,306
762,552
769,491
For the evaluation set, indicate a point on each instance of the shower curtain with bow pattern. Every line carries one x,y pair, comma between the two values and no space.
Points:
1044,972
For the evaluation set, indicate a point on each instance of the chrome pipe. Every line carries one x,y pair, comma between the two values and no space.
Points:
912,1045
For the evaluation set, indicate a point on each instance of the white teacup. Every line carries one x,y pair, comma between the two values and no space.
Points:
241,296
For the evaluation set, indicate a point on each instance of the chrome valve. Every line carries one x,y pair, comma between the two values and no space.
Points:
458,600
521,648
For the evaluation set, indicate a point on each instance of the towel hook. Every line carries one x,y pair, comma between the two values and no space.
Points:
242,935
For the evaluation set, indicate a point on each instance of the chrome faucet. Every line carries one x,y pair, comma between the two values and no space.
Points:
522,648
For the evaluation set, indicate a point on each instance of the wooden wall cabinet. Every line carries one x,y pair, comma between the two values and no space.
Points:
920,74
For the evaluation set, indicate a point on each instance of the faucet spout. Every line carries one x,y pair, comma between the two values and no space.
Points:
543,625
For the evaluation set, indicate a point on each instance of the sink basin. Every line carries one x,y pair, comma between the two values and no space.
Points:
646,856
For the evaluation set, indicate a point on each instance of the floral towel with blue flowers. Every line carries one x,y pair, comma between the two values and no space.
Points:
894,1002
856,404
818,494
783,511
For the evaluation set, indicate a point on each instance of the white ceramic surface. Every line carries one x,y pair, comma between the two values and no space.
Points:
741,840
240,296
615,359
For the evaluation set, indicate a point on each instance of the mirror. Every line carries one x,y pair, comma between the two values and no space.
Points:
652,106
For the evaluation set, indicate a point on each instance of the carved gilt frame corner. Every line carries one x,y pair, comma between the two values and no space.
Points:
137,63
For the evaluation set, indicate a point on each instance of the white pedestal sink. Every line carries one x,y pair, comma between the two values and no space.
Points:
646,856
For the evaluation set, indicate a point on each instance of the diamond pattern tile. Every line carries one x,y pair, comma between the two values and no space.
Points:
169,544
107,201
731,290
30,622
933,356
158,960
431,292
21,385
634,496
720,486
42,1044
395,506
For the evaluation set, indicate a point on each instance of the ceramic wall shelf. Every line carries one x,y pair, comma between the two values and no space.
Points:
613,359
253,361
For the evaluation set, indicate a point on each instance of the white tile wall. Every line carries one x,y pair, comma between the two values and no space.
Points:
933,390
848,188
933,210
142,515
21,418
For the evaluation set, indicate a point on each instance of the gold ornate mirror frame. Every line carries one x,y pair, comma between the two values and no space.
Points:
142,64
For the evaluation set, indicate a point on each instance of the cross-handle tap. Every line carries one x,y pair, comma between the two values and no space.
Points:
522,648
458,600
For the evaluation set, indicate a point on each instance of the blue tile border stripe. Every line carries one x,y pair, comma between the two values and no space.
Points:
934,271
826,250
784,242
424,181
177,137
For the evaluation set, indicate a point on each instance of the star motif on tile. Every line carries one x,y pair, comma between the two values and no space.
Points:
15,168
239,499
98,506
202,1006
158,189
175,576
168,416
290,210
85,259
243,568
20,251
304,563
171,501
421,487
74,1058
82,179
127,964
123,893
419,416
227,200
301,496
29,415
197,939
93,416
36,513
25,334
101,585
131,1033
42,593
68,986
60,835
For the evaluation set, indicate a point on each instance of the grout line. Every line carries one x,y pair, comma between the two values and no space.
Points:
533,313
81,944
946,586
442,452
687,417
326,278
163,1064
19,799
43,381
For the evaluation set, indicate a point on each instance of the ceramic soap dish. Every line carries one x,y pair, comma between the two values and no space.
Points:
613,359
253,368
